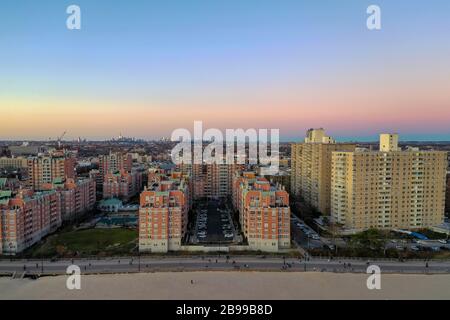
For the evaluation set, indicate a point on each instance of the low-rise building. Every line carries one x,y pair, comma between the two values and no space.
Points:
13,163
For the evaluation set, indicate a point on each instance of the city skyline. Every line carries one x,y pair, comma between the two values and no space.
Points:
147,69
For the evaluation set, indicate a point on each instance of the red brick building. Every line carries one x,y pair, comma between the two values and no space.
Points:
264,212
163,212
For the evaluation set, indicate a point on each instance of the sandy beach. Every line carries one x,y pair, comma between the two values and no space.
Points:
229,285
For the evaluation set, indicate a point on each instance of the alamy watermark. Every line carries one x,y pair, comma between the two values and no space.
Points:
374,20
73,21
73,282
374,280
191,150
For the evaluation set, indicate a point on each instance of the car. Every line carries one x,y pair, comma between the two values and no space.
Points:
399,248
315,237
443,241
228,235
415,248
435,248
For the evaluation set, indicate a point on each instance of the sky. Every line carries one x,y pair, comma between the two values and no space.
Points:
146,68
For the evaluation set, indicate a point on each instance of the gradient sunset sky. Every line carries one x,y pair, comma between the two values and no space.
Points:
145,68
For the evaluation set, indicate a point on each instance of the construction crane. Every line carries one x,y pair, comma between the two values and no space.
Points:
60,138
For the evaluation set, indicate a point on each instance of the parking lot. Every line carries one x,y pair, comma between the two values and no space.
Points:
304,235
213,223
307,238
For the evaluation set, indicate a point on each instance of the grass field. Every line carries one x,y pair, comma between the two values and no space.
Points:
86,242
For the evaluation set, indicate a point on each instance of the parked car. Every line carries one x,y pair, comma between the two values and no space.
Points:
443,241
415,248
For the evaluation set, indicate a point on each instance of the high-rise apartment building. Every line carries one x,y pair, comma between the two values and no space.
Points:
264,212
77,196
44,169
310,168
163,212
27,218
113,162
122,184
210,180
389,188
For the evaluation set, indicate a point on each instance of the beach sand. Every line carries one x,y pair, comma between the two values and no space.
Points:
229,285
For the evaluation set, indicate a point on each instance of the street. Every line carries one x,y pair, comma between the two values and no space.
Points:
216,263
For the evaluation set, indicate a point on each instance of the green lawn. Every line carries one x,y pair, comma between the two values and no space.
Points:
87,242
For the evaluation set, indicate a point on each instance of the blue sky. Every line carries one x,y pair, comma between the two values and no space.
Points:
278,60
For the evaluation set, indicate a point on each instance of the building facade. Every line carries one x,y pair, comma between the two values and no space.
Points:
122,184
45,169
13,163
77,196
211,180
389,188
311,168
27,218
264,212
113,162
163,212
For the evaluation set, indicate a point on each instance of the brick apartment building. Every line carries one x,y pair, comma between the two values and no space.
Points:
264,212
163,212
122,184
27,218
45,169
